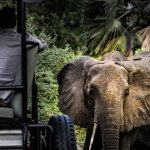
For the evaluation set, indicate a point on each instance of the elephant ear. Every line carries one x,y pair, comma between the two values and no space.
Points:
137,102
71,95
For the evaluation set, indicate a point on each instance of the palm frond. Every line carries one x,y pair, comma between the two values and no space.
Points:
117,44
100,37
111,21
144,36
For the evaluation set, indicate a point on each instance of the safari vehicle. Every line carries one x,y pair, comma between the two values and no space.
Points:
20,128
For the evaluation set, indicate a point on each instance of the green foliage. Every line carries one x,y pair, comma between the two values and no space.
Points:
80,133
5,3
61,19
57,23
139,50
50,61
112,24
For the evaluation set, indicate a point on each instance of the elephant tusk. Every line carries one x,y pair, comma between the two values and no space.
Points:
93,135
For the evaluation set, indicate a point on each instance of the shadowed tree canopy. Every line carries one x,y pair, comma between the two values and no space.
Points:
113,25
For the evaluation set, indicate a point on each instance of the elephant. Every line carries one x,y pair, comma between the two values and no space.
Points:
114,56
113,96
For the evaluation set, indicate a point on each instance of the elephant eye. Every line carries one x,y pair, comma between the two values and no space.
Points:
91,96
127,92
93,91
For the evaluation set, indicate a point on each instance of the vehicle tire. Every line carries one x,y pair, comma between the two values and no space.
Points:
63,136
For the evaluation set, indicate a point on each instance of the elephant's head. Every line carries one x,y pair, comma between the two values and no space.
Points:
114,56
94,91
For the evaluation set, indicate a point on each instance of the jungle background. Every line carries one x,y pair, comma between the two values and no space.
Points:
72,28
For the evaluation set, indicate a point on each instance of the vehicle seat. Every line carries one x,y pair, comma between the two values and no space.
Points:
15,110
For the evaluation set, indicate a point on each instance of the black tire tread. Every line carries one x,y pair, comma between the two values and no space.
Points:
63,136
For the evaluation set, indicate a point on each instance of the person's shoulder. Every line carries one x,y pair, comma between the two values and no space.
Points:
10,32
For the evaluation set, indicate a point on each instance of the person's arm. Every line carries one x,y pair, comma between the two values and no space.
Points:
31,38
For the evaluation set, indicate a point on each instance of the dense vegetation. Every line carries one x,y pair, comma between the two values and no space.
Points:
51,59
69,26
56,23
111,25
72,27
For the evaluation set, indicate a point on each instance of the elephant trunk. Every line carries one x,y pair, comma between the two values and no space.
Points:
110,138
109,123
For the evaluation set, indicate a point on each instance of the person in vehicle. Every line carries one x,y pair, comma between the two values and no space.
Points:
10,52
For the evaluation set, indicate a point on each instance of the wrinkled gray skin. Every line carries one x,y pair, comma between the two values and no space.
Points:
114,56
136,139
113,94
